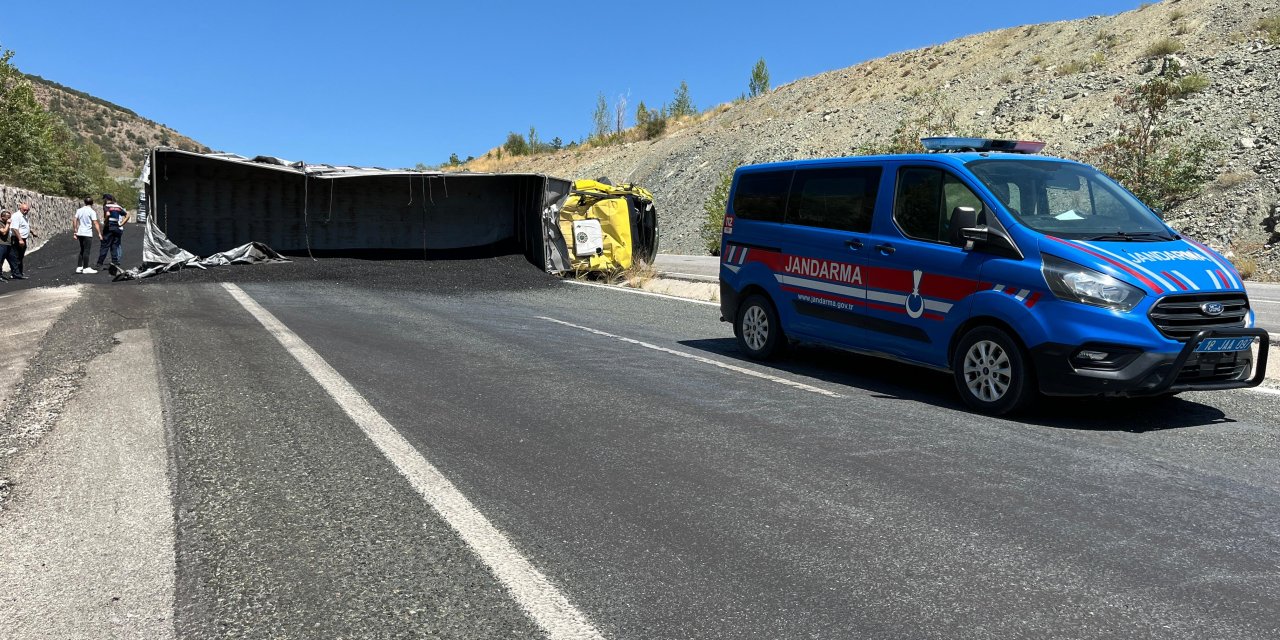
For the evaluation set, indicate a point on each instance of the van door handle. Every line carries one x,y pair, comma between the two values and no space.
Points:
853,244
885,248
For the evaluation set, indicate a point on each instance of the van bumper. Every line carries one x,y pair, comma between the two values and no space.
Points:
1128,371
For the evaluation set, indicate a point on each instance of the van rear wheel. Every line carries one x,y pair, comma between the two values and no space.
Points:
758,330
992,372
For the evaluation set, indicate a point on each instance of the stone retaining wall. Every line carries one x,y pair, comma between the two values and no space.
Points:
49,214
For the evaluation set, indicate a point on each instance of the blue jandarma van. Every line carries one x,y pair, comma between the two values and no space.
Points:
1020,274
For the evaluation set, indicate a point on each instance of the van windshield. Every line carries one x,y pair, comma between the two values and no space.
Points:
1069,200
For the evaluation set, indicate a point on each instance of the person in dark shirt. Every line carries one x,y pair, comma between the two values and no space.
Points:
114,218
7,234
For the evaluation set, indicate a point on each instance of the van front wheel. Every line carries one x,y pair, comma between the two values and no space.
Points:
758,330
991,372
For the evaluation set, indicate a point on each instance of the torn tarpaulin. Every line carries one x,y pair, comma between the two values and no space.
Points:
160,255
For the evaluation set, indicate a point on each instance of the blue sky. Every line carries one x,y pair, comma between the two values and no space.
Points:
396,83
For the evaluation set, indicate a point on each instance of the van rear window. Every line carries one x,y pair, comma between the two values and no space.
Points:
762,195
841,198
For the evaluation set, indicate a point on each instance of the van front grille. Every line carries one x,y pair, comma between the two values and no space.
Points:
1182,316
1224,369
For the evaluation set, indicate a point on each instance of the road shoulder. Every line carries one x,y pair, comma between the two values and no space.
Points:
90,533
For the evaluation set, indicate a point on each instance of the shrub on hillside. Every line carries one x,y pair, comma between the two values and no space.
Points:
1163,47
714,207
1192,83
1149,154
933,117
516,145
1271,27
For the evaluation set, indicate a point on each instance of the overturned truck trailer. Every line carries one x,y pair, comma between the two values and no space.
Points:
207,203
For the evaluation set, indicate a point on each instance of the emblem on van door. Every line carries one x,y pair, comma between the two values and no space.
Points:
1211,308
914,303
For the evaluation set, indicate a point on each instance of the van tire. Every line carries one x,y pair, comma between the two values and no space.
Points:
758,330
992,372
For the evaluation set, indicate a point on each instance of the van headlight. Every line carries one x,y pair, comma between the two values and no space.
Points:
1077,283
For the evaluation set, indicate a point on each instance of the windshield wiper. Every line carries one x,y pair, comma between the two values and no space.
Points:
1137,236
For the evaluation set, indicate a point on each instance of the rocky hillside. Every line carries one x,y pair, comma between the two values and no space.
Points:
123,136
1055,82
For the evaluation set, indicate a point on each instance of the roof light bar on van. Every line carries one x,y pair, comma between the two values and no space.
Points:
953,145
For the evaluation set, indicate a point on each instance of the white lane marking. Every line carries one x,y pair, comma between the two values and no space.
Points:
697,358
643,293
531,590
1263,300
695,276
1266,390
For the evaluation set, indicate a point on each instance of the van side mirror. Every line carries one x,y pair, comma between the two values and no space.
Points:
962,218
978,235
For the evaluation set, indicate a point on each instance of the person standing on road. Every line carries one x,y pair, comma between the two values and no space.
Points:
84,226
113,216
22,234
6,236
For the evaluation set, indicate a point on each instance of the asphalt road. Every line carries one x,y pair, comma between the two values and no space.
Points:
666,487
1265,299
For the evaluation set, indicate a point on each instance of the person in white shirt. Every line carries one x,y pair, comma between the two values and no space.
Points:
21,236
85,226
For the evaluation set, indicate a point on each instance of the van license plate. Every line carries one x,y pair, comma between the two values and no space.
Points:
1224,345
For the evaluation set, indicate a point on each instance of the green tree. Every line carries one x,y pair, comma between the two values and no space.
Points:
642,115
656,124
453,160
682,105
557,144
38,151
714,207
600,119
516,145
759,84
1150,154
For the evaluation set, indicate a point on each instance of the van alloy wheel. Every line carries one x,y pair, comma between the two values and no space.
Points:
992,372
987,371
755,328
758,329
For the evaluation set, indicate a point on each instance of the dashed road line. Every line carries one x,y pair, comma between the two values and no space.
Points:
642,293
544,603
697,358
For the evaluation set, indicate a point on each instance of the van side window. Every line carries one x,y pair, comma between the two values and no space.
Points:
842,198
925,200
762,195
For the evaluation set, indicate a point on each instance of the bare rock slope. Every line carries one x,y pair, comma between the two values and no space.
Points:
1055,82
